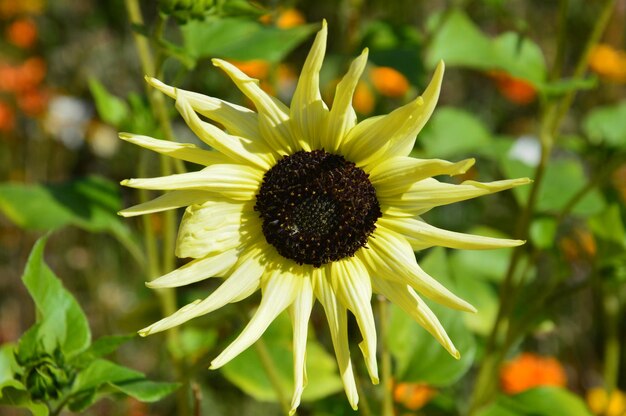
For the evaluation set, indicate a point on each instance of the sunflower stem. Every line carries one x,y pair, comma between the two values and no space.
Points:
167,297
270,369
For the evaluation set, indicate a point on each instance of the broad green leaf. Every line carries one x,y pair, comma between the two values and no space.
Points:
101,347
541,401
471,263
606,125
459,42
90,203
563,178
81,401
241,39
20,398
111,109
101,372
247,373
483,296
62,321
418,356
146,390
609,225
193,343
452,132
8,368
542,232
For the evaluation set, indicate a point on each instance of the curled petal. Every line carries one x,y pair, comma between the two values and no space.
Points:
279,292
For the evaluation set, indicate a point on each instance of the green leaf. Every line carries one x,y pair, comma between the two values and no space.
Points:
101,347
247,373
564,177
471,263
81,401
453,132
541,401
62,321
145,390
543,232
20,398
241,39
101,372
609,225
459,42
193,343
111,109
418,356
605,125
8,368
90,203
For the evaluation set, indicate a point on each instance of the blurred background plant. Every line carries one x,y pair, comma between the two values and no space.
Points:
533,88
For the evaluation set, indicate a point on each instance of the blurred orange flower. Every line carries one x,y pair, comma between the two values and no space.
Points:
601,404
578,244
363,99
413,396
7,118
389,82
33,102
529,370
289,18
516,90
10,8
619,181
608,62
255,68
22,33
22,77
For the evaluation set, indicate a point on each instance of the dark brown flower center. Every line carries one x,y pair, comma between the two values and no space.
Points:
317,207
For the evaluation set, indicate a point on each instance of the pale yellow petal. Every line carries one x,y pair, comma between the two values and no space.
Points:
351,283
211,227
279,291
232,181
404,296
381,137
308,111
342,116
427,235
274,122
245,278
429,193
183,151
197,270
239,149
167,201
237,120
395,175
390,257
300,312
336,314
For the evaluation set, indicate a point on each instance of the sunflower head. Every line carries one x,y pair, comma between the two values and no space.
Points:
305,204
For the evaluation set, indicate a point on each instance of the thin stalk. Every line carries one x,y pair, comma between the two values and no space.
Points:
167,297
364,406
612,343
270,369
387,380
551,120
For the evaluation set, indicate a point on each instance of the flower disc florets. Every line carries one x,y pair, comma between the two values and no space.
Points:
317,207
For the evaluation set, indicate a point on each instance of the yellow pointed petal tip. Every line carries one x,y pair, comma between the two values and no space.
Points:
456,354
125,182
144,332
161,86
464,166
125,136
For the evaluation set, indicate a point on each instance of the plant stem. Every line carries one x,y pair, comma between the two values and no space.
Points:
551,120
387,380
364,406
270,369
167,297
612,342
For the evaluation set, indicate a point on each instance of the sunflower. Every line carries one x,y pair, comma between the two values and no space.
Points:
306,204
